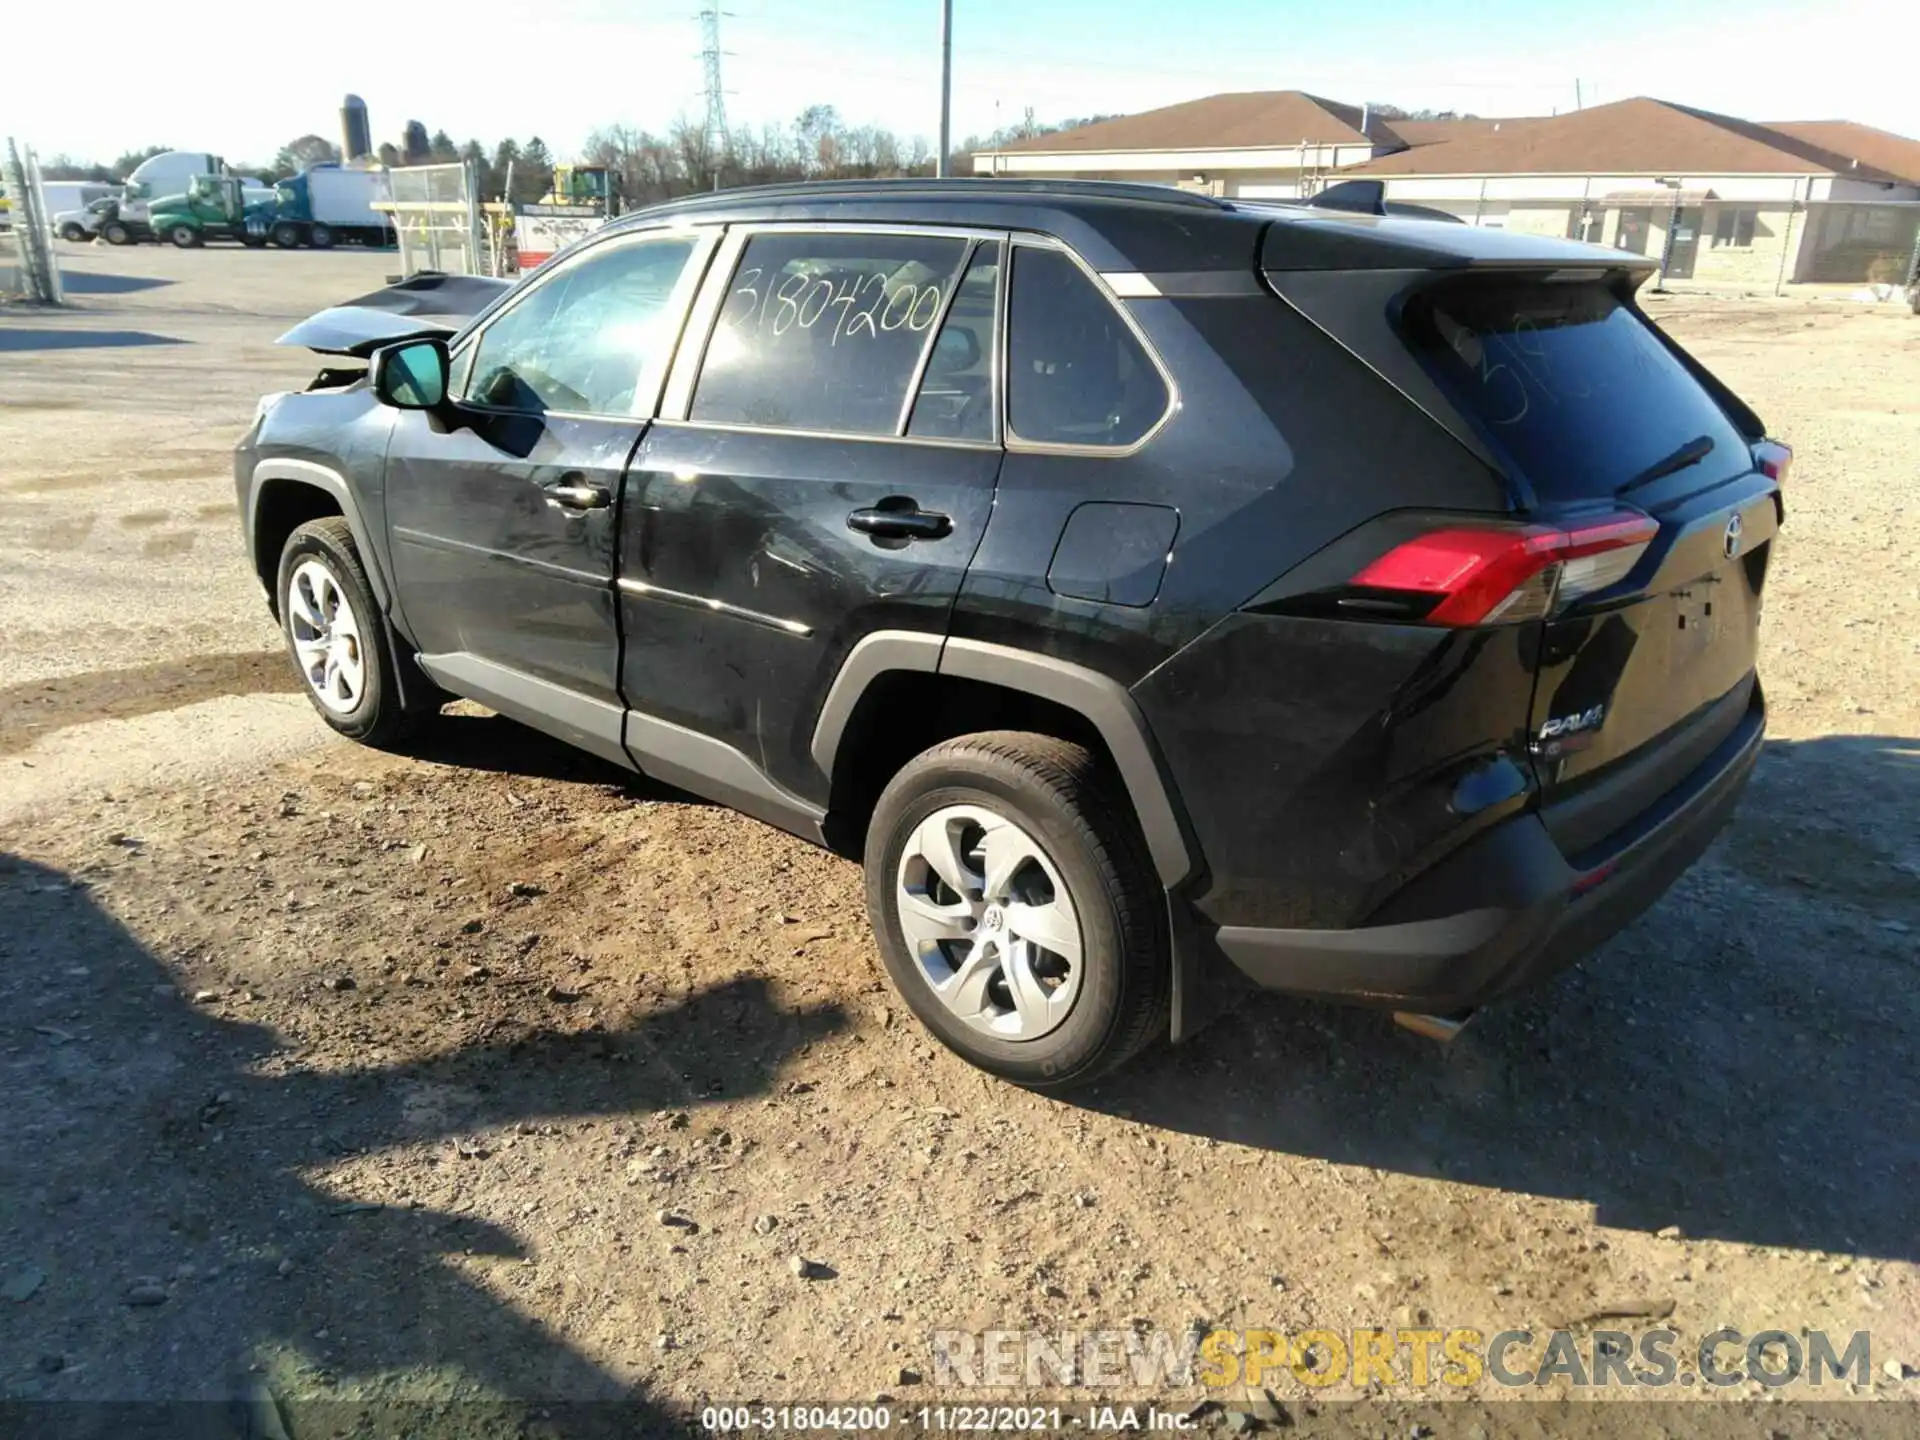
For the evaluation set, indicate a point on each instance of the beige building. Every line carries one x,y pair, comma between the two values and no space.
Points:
1746,205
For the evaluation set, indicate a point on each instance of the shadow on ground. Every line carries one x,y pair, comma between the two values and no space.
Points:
1740,1062
21,340
88,282
497,745
144,1131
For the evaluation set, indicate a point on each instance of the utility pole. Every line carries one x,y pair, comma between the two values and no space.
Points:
1673,224
946,88
717,143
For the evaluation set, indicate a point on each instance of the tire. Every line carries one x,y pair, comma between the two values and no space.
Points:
72,231
286,235
1085,846
252,241
361,703
115,232
320,237
184,236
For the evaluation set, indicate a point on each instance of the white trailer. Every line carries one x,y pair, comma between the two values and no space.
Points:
331,204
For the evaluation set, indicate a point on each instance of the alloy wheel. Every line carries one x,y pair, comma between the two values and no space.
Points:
989,922
326,636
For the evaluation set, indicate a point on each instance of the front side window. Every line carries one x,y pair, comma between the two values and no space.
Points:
825,331
593,338
1076,373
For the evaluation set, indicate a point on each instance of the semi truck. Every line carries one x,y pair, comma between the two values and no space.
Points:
329,205
319,207
212,207
166,174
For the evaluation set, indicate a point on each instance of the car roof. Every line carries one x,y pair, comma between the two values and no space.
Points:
1115,225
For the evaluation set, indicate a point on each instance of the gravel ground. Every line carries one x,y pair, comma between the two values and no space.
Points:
493,1076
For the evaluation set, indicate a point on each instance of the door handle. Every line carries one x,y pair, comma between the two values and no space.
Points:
907,523
579,497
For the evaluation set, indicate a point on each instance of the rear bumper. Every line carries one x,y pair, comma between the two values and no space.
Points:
1508,908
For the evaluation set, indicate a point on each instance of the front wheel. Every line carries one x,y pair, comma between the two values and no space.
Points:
1016,910
184,236
287,235
334,632
72,231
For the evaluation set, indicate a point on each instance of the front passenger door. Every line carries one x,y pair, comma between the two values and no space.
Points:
503,526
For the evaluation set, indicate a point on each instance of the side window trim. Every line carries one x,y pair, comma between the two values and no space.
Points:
676,401
1011,437
706,238
940,324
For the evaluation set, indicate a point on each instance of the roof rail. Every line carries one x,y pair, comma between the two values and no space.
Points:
959,188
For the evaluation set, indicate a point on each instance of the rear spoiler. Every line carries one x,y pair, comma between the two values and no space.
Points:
427,305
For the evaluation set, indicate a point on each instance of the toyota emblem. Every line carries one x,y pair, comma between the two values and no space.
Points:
1731,541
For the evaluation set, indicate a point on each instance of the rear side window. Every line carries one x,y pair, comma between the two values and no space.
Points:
1571,384
1076,373
956,392
826,331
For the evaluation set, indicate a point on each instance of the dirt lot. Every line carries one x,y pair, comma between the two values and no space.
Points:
492,1076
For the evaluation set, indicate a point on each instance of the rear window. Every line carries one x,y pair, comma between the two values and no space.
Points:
1571,384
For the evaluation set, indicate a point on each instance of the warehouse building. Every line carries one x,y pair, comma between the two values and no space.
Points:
1747,204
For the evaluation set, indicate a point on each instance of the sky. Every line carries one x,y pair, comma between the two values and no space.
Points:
242,77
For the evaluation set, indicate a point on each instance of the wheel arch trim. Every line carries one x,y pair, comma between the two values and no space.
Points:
334,484
1107,706
1103,702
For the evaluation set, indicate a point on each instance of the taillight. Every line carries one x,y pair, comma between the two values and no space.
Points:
1480,575
1771,459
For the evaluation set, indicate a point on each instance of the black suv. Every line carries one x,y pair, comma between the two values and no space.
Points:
1160,593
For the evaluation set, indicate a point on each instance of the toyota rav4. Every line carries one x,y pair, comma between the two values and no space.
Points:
1160,593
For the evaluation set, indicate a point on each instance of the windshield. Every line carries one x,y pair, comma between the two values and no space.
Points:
1573,386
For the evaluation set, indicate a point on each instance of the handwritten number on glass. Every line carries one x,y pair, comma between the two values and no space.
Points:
866,305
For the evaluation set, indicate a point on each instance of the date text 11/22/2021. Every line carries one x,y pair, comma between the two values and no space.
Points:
963,1418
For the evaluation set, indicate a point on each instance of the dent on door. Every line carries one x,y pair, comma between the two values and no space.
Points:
504,541
745,579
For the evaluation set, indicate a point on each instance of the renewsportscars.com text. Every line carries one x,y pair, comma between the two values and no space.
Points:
1404,1358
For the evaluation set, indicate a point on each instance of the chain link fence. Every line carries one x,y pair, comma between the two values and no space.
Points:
29,268
443,225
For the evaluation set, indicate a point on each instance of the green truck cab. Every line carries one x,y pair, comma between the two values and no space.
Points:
214,207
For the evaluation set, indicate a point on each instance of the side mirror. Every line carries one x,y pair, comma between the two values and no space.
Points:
412,376
955,350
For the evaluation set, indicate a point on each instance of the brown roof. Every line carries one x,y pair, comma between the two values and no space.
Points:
1257,118
1432,132
1631,137
1878,149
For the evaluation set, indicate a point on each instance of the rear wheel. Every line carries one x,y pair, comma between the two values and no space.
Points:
286,235
116,232
1015,908
321,237
334,632
185,236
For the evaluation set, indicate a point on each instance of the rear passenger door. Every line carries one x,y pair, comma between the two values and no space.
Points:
823,467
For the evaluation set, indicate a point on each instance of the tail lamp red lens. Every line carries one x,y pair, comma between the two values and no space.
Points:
1481,575
1772,458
